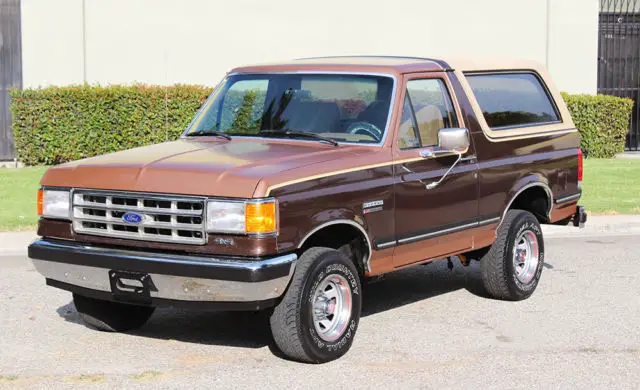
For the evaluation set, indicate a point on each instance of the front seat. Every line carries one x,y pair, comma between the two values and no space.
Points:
327,116
376,113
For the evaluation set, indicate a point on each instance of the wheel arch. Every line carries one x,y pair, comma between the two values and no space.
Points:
323,230
521,195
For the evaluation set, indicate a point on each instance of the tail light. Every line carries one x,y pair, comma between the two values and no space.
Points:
580,164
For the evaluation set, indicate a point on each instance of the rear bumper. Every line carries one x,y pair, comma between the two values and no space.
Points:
173,279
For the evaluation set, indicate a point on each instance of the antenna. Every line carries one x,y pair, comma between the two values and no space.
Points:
166,96
166,113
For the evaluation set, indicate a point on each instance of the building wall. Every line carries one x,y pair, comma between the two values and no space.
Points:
573,44
197,41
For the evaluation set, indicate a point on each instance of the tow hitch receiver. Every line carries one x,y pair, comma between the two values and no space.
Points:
580,217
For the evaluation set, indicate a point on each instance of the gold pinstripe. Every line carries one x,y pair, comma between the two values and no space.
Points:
340,172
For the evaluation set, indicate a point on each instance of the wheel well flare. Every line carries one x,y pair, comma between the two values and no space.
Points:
344,235
535,198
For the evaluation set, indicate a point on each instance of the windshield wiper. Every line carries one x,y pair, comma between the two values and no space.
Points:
295,133
209,132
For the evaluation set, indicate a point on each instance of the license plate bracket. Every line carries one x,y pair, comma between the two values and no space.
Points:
131,286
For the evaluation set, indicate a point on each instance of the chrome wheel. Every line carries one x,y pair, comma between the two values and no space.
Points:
332,307
526,256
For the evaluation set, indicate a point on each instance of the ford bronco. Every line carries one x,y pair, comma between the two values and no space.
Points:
298,181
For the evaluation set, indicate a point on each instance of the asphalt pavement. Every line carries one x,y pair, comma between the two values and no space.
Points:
424,327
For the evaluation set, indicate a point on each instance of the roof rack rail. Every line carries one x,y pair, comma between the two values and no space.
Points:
442,63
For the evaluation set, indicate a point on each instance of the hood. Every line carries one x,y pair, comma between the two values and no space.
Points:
208,167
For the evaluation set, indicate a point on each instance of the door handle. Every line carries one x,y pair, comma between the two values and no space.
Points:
471,159
434,184
406,169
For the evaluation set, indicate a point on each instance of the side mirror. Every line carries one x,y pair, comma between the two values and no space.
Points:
455,139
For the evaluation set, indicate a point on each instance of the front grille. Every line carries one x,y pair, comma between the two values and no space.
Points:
139,216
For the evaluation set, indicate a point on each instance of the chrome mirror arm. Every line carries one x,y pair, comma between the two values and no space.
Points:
435,153
434,184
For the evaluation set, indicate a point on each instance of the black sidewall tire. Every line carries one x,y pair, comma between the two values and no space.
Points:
525,221
110,316
315,347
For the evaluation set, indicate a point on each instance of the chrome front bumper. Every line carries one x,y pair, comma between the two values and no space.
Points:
86,270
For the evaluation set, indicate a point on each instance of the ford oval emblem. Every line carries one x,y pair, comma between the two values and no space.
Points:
132,218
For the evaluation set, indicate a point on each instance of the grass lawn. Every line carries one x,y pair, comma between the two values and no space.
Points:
18,193
611,186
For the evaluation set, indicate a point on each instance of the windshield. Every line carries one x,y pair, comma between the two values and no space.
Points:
345,108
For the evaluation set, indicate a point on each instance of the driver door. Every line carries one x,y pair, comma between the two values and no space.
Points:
431,223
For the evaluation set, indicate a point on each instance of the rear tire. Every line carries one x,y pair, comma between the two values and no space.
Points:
511,269
111,316
317,318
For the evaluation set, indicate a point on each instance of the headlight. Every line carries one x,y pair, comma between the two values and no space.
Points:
53,203
253,217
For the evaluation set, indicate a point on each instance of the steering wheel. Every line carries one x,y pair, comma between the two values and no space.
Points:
365,128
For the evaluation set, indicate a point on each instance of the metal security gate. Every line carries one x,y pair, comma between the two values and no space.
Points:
619,57
10,70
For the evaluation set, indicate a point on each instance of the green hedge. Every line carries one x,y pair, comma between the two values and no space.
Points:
58,124
603,122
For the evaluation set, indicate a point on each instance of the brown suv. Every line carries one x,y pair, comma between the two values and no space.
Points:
297,181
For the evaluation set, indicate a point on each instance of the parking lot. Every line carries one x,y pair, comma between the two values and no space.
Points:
423,327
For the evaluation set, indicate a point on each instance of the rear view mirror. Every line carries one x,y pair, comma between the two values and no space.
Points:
455,140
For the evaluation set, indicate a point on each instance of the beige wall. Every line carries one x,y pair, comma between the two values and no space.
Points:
573,44
51,42
197,41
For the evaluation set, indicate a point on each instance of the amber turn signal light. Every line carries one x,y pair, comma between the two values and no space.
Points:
260,217
40,200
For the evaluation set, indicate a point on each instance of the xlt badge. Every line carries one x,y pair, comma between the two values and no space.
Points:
373,206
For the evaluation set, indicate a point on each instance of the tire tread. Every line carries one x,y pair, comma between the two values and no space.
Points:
111,316
493,265
286,318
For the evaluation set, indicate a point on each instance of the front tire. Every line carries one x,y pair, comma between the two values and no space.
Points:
511,269
317,318
111,316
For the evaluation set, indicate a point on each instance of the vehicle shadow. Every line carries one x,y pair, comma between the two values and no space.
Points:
238,329
421,282
251,329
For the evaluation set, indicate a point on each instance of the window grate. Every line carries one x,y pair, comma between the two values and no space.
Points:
619,57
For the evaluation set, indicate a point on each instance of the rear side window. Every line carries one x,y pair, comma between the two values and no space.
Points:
512,100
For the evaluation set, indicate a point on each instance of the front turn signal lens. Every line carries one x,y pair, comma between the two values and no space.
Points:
40,201
261,217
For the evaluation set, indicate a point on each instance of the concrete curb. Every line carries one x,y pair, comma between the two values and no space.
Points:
629,154
599,225
16,243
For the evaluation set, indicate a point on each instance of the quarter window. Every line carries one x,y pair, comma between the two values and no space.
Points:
512,100
427,109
